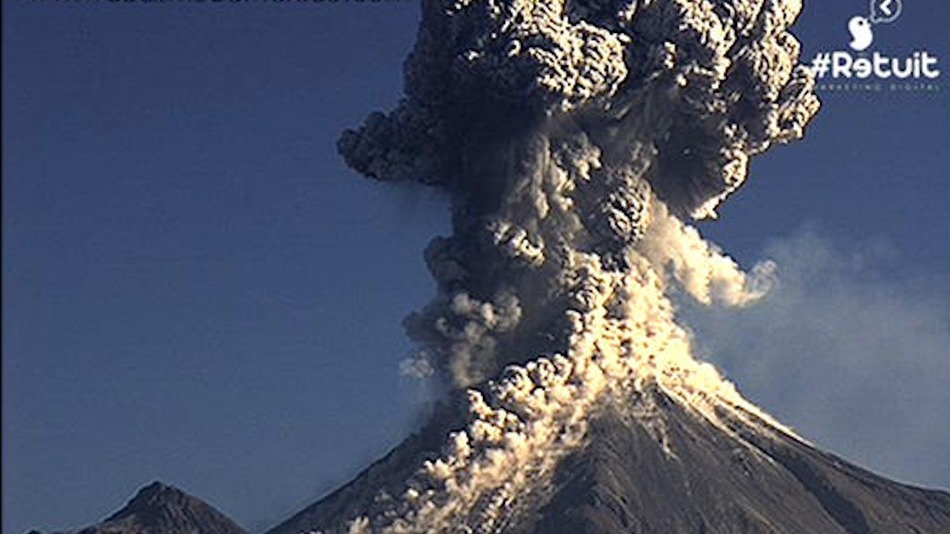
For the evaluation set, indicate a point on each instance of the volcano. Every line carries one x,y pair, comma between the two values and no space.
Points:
651,465
576,141
648,465
162,509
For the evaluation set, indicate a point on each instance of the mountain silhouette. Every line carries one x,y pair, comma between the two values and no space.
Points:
669,472
161,509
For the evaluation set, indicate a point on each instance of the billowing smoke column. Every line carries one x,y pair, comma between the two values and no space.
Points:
574,139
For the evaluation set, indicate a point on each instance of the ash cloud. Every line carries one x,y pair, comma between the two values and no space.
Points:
554,124
576,140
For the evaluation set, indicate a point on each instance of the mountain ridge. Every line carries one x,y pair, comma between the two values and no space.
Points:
656,466
162,509
651,465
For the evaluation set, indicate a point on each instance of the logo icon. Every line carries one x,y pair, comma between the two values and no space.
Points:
882,12
861,34
885,11
861,69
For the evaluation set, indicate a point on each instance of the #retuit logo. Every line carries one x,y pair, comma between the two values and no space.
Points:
864,68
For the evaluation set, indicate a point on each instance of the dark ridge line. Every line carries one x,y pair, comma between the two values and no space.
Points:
838,507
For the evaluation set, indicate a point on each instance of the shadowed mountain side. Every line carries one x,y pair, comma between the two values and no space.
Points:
668,470
161,509
387,473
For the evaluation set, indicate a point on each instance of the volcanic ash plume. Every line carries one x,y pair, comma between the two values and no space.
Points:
575,141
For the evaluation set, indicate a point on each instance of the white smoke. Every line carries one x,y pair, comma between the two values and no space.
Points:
574,140
861,332
699,266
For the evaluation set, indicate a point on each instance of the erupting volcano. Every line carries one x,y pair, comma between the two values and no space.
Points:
577,140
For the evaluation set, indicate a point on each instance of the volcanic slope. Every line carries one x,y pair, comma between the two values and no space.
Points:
651,465
161,509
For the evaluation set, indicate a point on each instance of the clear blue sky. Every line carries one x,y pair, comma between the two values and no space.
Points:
195,289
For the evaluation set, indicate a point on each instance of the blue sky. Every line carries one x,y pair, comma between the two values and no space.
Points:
197,290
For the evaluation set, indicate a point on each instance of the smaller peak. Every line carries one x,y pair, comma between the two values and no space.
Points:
159,508
157,487
155,498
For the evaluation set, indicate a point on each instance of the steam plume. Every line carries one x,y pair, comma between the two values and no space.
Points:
575,139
